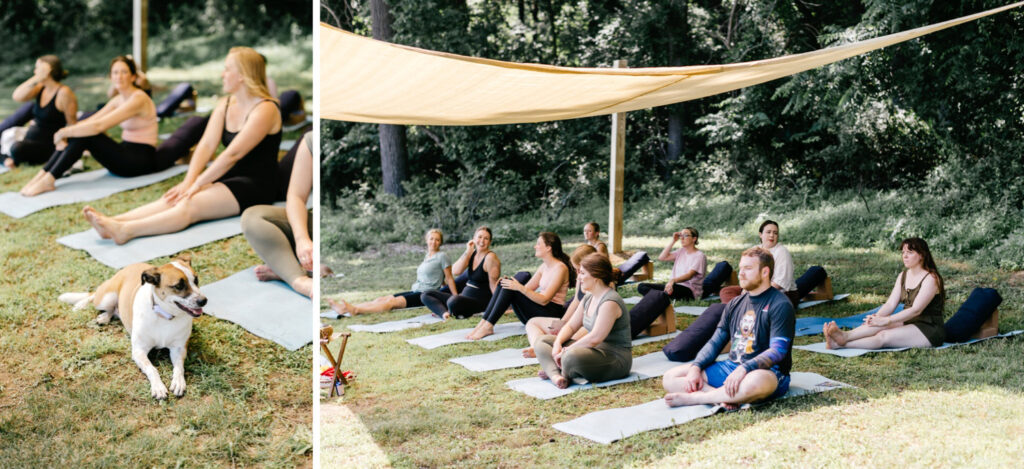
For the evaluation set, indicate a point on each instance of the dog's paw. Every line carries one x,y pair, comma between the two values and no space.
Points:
103,318
158,390
178,386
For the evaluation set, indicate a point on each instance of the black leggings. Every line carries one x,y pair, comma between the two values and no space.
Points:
32,151
183,139
22,116
125,159
651,306
460,306
679,291
524,307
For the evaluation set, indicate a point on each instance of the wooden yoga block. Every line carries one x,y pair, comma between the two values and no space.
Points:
664,324
645,273
733,279
990,327
822,292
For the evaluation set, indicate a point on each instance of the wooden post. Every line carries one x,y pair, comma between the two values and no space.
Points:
140,33
616,174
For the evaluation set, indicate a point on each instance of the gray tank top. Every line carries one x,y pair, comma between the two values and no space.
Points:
620,335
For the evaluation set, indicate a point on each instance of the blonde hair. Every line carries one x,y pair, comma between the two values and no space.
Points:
434,230
253,68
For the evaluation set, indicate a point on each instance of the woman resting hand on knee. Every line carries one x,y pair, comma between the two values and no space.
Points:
540,326
133,109
604,351
248,124
920,322
434,271
281,236
482,269
543,295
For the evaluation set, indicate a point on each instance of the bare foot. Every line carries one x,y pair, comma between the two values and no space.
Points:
676,399
481,331
106,227
341,307
529,353
34,188
9,163
834,338
542,374
265,274
560,382
446,316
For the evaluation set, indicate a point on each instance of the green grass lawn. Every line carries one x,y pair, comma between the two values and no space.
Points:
70,394
410,407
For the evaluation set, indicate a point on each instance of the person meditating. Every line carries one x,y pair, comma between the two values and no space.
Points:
434,271
482,269
543,295
133,110
248,124
761,325
920,322
604,352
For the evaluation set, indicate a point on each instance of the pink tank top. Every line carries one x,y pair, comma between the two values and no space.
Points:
545,282
141,129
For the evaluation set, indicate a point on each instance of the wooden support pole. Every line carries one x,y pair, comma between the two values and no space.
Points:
140,33
616,174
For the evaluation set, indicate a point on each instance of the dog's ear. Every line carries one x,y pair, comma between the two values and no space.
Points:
185,259
151,275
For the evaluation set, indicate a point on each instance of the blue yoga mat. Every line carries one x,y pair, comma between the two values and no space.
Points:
813,325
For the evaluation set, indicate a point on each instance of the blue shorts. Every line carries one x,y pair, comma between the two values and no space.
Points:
718,372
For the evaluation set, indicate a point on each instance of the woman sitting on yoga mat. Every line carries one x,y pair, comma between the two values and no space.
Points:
592,234
60,110
134,156
920,322
482,269
282,236
543,294
434,271
248,124
688,266
540,326
604,352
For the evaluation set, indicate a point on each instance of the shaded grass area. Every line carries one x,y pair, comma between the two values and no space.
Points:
70,393
421,410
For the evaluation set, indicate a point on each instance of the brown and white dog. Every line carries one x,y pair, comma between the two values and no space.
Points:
156,305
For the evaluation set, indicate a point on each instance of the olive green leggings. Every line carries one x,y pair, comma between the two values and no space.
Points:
267,229
604,362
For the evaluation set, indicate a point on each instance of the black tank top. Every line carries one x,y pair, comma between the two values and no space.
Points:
260,164
478,283
48,119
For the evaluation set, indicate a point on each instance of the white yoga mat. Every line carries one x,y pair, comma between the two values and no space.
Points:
856,352
691,310
632,300
513,357
81,187
648,339
644,367
271,310
4,169
607,426
458,336
399,325
151,247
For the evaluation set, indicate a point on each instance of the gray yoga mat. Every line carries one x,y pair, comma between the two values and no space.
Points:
81,187
458,336
808,304
607,426
513,357
271,310
856,352
151,247
645,367
399,325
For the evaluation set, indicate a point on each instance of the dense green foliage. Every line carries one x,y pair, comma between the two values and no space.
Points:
933,124
70,27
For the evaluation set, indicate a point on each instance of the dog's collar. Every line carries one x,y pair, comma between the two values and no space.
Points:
160,312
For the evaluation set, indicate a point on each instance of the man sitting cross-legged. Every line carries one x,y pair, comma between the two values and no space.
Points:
761,323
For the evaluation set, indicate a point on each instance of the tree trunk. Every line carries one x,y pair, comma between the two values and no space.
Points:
678,29
392,137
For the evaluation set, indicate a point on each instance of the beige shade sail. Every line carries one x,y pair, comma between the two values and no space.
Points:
365,80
